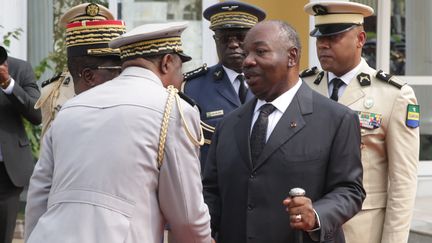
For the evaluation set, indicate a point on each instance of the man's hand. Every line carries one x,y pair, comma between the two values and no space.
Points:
4,72
302,215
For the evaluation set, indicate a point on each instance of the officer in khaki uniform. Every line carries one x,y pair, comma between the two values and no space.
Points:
57,90
389,120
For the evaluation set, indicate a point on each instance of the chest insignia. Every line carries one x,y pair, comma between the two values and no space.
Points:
413,116
369,120
364,79
212,114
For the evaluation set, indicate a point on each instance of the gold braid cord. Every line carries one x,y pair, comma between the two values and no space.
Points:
196,141
165,120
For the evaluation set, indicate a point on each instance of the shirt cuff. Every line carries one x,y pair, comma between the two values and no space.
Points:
315,233
9,88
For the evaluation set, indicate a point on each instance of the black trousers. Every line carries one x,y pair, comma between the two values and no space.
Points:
9,205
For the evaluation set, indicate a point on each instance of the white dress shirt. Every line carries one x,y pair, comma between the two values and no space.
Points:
281,103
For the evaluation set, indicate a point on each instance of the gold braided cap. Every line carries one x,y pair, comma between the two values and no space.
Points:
151,40
92,37
86,12
243,19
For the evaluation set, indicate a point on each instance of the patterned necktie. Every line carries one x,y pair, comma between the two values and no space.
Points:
337,83
259,132
242,88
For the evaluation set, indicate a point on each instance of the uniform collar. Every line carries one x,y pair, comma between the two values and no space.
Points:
347,77
232,75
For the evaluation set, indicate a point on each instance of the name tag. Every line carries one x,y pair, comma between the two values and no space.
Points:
212,114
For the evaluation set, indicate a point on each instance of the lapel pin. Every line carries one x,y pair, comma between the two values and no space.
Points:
293,124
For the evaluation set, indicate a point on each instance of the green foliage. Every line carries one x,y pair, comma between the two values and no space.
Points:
33,134
11,34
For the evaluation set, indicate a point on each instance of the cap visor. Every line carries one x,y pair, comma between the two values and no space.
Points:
184,57
331,29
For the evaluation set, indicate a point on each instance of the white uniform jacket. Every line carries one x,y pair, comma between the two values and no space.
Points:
97,178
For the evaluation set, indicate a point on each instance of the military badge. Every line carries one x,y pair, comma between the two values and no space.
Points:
92,9
413,116
229,8
364,79
319,9
212,114
369,120
218,74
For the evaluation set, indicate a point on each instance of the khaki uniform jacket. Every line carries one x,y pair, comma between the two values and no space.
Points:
54,93
390,156
97,178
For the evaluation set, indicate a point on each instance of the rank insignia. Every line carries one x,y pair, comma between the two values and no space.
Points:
212,114
218,74
319,78
369,120
413,116
364,79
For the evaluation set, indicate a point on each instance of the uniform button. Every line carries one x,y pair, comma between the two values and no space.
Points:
250,207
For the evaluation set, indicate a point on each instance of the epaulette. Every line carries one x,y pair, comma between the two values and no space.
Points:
390,79
54,78
309,72
195,73
319,77
188,99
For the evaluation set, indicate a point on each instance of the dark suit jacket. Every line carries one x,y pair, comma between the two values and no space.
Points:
15,146
213,92
320,153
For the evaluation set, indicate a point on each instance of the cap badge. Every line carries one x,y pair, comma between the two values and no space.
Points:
229,8
92,9
319,9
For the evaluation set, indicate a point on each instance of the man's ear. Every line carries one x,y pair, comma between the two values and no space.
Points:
165,63
361,36
88,77
293,56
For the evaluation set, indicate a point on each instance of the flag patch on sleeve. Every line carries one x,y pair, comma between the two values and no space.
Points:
413,116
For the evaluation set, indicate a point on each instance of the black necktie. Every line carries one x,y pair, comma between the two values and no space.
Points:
242,88
259,131
337,83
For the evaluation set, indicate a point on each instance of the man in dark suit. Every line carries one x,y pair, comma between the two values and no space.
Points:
221,88
298,138
18,94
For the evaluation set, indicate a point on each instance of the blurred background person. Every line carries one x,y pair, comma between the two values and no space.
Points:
18,95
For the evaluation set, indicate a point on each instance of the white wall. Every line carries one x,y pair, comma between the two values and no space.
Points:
11,18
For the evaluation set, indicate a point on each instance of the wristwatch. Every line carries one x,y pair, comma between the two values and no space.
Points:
5,83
